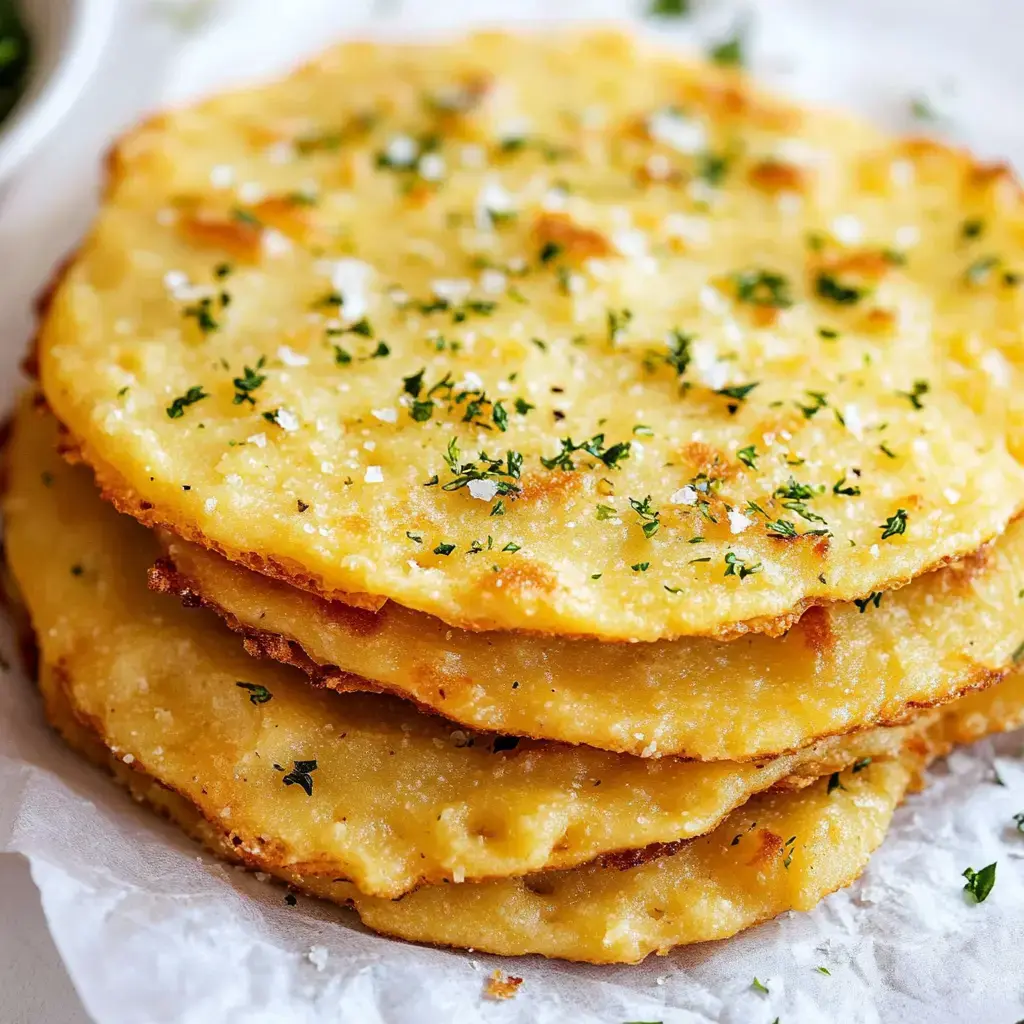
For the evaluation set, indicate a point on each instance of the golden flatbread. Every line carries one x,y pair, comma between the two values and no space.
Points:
842,667
549,333
357,786
780,851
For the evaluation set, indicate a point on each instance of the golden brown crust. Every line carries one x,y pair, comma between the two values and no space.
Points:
721,94
113,489
165,578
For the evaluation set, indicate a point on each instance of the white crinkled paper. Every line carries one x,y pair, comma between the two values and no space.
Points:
154,932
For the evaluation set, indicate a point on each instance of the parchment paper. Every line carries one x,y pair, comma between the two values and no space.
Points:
153,931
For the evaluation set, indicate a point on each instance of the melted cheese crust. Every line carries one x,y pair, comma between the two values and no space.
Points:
555,334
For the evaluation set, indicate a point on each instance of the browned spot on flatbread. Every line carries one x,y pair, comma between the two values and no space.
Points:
727,98
869,264
775,176
961,574
501,986
769,846
624,860
554,485
879,321
575,242
524,576
429,679
703,458
984,175
241,238
816,628
353,619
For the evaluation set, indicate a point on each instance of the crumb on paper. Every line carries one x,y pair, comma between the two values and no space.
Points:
317,956
502,986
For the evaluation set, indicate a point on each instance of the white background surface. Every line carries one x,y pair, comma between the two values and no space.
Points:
936,959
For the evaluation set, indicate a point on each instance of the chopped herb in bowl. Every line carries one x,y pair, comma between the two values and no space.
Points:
14,56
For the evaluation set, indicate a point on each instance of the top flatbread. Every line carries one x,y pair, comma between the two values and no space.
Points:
549,334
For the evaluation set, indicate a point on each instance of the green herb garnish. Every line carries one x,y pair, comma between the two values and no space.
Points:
300,775
257,694
980,883
177,408
894,524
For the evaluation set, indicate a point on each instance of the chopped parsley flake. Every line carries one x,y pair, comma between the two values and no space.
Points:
730,52
177,408
618,320
979,271
759,986
202,313
444,549
257,694
920,387
610,456
874,598
678,356
648,515
834,783
840,487
748,456
972,228
894,524
641,567
248,383
712,168
738,391
980,883
860,764
501,471
669,8
736,566
550,251
832,290
300,775
1018,819
763,288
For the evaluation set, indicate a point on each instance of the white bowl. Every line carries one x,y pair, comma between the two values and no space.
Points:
68,37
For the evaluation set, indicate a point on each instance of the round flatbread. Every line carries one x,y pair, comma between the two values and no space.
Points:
553,333
841,668
778,852
354,786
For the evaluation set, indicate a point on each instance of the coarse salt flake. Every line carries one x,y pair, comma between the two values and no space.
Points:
286,420
222,176
738,522
848,229
373,475
484,490
432,167
275,243
678,132
684,496
290,357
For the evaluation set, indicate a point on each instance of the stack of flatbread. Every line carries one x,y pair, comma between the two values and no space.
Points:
548,496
